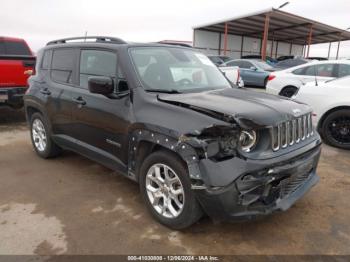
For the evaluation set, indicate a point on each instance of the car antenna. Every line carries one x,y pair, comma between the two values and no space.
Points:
316,82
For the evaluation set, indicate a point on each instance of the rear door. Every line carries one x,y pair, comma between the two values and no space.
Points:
101,123
56,88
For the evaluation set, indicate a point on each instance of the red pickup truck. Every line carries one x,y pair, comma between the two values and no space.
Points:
17,63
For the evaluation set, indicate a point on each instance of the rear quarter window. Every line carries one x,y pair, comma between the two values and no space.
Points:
299,71
46,60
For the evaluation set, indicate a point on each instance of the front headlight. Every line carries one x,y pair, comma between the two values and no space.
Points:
247,140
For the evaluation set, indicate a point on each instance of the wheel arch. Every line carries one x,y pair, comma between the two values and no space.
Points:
287,86
30,110
31,107
145,142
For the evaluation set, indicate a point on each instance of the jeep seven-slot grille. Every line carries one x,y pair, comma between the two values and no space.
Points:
291,132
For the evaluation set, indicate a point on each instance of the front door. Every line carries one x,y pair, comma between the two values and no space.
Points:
100,123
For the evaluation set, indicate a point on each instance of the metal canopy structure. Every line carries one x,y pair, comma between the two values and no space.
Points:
276,25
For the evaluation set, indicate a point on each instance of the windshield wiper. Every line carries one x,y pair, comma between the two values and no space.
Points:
167,91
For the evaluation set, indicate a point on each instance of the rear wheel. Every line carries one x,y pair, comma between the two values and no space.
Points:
40,136
336,129
165,187
288,91
265,82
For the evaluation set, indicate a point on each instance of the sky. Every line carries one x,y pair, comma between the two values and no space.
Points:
39,21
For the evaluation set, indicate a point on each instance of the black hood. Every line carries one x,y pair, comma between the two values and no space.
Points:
243,105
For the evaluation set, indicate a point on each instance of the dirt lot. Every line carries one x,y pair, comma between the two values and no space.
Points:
71,205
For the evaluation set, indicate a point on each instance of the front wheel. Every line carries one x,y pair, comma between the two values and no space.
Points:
165,187
336,129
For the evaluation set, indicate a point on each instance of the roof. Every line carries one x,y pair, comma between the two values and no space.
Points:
284,26
12,39
101,42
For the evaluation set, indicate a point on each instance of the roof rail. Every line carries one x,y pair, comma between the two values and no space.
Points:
98,39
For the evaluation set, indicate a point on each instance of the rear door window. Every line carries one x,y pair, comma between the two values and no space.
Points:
343,70
97,63
326,70
14,48
321,70
63,65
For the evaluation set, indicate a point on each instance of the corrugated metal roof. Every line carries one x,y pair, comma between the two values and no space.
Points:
283,26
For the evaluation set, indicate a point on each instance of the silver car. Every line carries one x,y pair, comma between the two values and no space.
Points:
253,72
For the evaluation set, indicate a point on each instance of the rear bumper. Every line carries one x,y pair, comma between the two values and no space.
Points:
12,96
273,188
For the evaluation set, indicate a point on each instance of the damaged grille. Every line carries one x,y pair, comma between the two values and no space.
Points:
291,132
289,185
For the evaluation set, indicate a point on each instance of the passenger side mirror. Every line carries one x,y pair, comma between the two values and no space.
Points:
101,85
253,68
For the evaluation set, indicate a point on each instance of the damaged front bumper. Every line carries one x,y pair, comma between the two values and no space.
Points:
268,186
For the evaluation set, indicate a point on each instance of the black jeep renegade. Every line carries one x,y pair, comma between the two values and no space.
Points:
167,118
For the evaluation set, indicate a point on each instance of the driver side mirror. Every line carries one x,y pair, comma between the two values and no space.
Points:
101,85
253,68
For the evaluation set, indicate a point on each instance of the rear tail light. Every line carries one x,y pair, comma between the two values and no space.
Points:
271,77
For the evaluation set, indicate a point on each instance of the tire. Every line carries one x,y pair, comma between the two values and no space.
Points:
335,129
288,91
190,212
265,82
41,139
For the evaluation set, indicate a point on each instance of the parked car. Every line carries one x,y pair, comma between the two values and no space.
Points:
177,43
288,63
233,75
253,72
271,61
16,64
219,59
285,57
167,118
330,101
287,82
317,58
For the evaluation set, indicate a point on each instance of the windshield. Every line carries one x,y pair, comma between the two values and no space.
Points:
176,70
263,65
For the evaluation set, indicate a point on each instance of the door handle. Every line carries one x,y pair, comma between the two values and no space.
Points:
79,100
45,91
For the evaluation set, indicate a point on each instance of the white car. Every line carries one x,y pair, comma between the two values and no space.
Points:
330,101
287,82
232,73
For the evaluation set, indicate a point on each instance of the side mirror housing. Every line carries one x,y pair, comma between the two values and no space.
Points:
101,85
253,68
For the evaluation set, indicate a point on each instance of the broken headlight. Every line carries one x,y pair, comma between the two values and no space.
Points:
247,140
